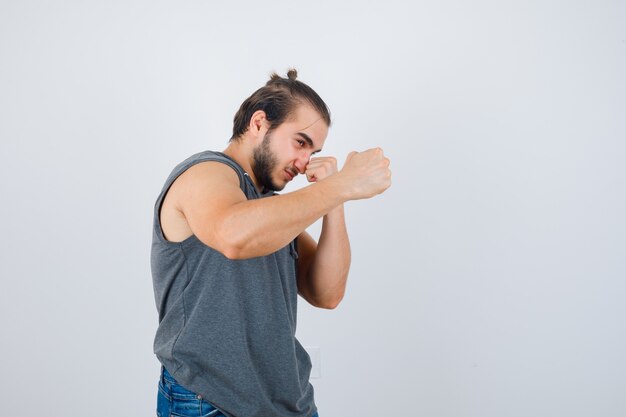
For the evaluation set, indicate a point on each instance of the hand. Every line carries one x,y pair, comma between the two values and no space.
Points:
320,168
366,174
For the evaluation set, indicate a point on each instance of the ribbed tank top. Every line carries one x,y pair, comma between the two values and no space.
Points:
227,327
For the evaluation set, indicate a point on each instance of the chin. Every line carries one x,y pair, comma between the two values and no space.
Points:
273,186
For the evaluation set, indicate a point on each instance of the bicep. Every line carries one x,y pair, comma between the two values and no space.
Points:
207,192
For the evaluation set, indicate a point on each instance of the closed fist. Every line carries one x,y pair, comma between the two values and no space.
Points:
366,174
320,168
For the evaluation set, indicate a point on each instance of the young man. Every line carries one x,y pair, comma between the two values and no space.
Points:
230,256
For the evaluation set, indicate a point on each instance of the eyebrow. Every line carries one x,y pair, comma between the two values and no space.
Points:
308,140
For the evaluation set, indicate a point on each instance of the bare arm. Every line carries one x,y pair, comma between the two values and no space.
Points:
219,214
323,268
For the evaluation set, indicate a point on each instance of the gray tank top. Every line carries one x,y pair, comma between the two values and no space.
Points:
227,327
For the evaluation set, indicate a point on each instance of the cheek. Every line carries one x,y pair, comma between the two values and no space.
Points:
289,157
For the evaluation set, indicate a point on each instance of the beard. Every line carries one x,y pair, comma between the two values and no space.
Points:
263,163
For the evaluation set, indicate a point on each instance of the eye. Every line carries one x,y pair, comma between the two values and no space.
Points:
301,142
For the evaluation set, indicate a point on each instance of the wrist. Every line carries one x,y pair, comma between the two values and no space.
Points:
336,212
338,187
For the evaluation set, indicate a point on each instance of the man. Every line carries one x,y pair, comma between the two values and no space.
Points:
230,256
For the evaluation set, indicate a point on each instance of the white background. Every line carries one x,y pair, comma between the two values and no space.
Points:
488,281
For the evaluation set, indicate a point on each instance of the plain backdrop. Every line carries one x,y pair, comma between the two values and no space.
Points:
488,281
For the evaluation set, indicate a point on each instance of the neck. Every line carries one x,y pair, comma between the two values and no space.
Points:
243,155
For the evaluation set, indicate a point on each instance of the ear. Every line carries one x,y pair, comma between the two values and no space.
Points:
259,125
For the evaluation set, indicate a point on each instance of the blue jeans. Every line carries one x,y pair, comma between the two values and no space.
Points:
174,400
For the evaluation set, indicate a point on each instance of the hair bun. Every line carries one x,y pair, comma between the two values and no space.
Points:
292,74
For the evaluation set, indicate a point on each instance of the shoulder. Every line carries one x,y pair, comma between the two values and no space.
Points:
211,170
204,183
205,175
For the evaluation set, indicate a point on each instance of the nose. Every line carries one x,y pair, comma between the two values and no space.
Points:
302,162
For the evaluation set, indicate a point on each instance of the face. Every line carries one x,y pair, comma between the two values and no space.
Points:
287,149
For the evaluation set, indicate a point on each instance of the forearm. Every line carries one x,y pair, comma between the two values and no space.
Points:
262,226
328,273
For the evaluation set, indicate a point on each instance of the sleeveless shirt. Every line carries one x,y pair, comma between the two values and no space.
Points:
227,327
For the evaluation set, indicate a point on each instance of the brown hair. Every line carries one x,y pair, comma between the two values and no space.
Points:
278,99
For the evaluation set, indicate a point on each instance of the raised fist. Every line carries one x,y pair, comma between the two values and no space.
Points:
366,174
320,168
